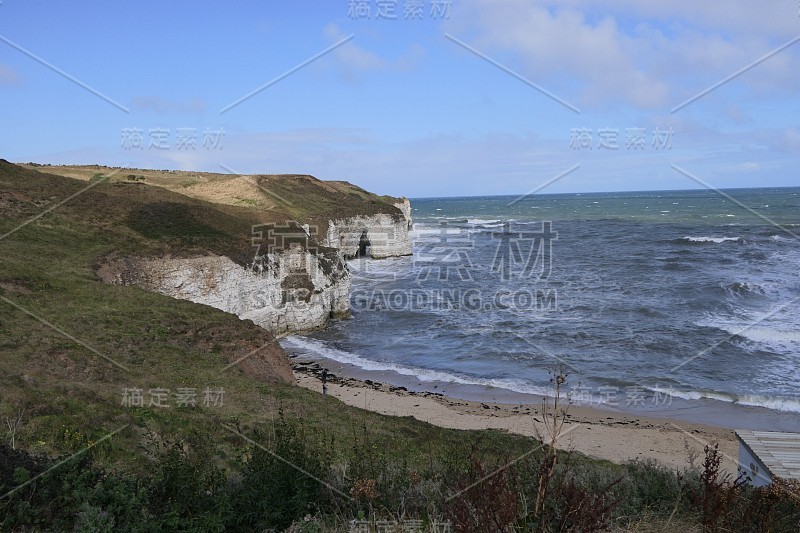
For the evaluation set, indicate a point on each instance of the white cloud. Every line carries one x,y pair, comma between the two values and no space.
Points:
9,76
789,140
352,58
644,54
747,166
772,19
563,48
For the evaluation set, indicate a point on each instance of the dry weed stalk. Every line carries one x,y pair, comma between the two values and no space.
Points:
553,419
13,425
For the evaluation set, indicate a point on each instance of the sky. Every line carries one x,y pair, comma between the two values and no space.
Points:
421,98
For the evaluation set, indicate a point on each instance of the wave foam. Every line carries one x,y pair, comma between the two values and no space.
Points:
483,221
770,336
775,403
785,405
741,288
777,334
716,240
318,348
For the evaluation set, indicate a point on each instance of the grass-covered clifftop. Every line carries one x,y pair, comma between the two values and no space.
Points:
281,196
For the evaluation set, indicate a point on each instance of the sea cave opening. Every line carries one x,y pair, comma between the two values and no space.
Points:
363,245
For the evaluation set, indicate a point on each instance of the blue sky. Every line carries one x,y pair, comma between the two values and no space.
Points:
429,105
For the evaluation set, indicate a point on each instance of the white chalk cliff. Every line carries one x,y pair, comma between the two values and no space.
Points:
284,291
379,236
405,207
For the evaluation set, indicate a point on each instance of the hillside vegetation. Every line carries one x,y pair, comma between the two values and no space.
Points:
283,196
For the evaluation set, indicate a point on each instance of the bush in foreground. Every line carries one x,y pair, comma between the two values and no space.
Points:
295,479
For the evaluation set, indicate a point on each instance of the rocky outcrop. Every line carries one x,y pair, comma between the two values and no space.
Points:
283,292
291,285
377,236
405,207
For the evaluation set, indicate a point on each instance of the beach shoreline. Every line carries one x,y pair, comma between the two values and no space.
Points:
599,433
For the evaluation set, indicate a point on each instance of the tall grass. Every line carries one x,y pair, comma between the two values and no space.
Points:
297,478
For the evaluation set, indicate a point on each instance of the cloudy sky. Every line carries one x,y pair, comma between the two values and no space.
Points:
414,97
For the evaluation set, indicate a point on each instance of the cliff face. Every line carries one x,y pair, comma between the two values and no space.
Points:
405,207
378,236
283,292
298,279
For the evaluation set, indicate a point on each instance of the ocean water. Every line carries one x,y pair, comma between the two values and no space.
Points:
648,300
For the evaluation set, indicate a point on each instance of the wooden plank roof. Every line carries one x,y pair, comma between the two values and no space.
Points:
780,452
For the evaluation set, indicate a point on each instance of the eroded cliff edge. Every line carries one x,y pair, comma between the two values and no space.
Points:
283,292
292,284
378,236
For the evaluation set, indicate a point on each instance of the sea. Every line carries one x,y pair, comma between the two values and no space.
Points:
682,304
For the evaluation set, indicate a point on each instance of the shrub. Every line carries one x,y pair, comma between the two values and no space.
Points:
283,481
189,491
70,493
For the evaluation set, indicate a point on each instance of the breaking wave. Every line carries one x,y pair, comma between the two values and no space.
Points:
715,240
316,348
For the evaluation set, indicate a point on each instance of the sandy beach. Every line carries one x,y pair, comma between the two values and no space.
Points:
598,433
